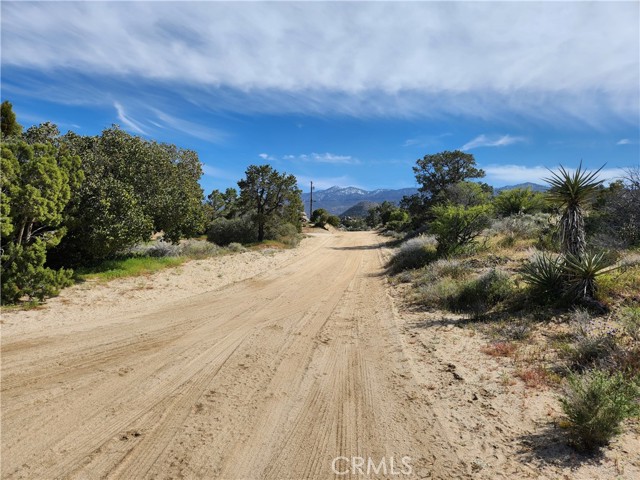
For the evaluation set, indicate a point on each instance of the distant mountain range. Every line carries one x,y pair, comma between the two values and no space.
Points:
536,187
352,201
337,200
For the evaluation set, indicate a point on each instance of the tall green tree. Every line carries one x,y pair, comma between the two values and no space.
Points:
38,180
436,173
270,197
9,125
133,188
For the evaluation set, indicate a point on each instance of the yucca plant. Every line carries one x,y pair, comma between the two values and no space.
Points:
546,276
573,192
582,273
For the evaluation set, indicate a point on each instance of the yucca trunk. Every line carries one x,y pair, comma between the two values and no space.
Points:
572,234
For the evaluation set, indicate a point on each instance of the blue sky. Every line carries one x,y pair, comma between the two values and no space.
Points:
341,93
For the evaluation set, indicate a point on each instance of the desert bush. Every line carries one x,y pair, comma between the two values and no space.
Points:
223,231
456,226
483,293
630,320
544,273
436,294
521,225
592,343
595,404
236,247
448,268
414,253
286,233
333,220
163,249
198,249
518,200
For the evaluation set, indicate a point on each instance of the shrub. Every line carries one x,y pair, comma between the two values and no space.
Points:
223,231
414,253
286,233
320,217
163,249
518,200
544,274
630,319
448,268
438,293
236,247
198,249
456,226
595,404
24,273
333,220
592,344
521,225
483,293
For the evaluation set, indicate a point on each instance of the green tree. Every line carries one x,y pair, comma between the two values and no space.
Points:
270,197
133,187
573,193
9,125
222,204
37,183
436,173
466,194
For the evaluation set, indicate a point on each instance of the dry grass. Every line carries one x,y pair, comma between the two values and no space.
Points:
500,349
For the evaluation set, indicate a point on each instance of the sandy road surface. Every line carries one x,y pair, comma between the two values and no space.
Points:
270,377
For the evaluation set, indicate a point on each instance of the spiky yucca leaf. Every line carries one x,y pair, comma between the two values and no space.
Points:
545,274
577,188
583,271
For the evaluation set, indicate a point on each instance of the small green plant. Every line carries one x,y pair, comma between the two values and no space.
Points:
545,275
236,247
596,403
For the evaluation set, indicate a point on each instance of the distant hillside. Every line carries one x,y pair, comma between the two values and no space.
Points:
337,200
360,209
536,187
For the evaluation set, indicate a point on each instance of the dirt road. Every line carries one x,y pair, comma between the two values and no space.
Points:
273,377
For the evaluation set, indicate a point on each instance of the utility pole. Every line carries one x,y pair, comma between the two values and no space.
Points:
311,201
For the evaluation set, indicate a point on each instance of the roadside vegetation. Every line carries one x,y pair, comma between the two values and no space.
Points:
75,207
552,278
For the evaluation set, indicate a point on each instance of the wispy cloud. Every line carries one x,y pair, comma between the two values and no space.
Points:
491,141
513,174
188,127
425,140
266,156
331,57
624,141
330,158
128,121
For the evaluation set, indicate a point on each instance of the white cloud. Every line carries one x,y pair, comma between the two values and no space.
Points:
491,141
190,128
414,58
128,121
499,175
623,141
330,158
266,156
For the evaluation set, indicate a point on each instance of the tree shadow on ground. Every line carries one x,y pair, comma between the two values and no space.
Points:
549,447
